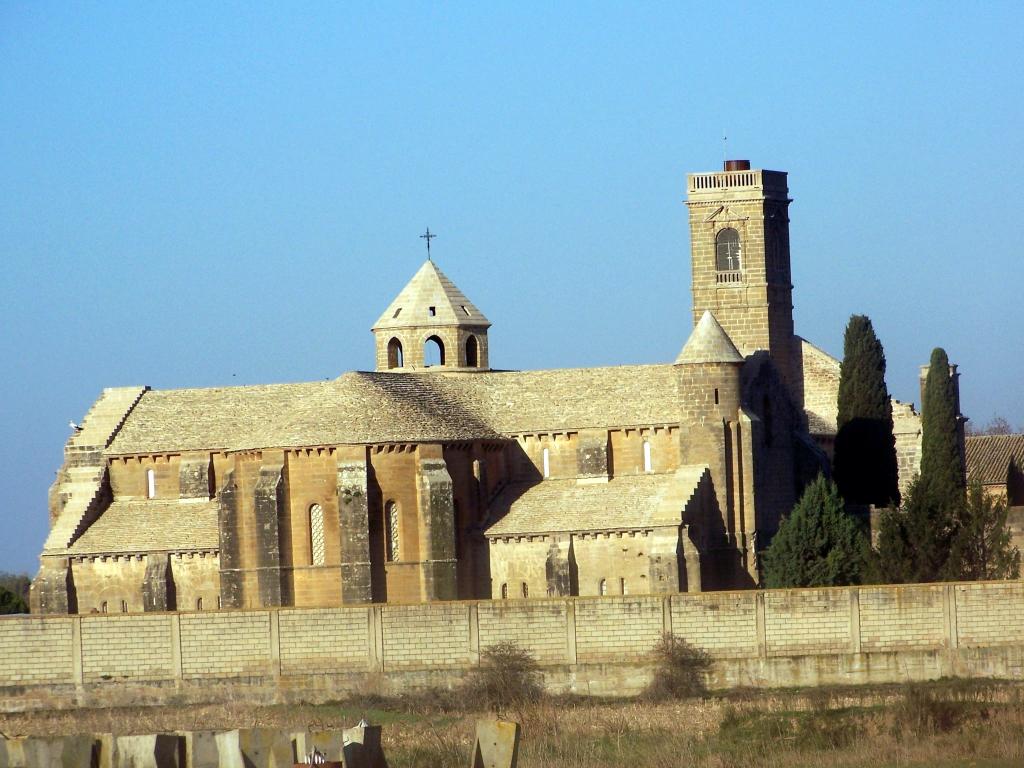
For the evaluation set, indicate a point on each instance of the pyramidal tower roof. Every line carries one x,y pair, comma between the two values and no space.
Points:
709,343
430,298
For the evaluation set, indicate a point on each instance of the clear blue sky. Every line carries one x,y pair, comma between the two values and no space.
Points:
199,194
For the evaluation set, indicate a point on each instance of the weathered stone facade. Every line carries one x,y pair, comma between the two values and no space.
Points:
434,481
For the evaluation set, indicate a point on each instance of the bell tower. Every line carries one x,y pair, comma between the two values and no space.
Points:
739,246
431,326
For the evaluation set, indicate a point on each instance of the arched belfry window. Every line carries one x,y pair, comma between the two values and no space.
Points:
472,352
391,527
316,535
150,484
395,354
727,250
433,351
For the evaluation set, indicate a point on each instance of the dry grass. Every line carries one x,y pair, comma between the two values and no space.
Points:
947,724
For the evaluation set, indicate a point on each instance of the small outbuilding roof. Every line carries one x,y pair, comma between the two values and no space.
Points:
151,525
629,502
989,456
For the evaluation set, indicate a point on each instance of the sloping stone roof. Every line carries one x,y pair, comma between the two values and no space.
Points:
430,288
630,502
988,456
709,343
151,525
362,407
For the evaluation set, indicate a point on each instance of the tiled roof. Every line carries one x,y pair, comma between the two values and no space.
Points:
709,343
629,502
430,298
988,456
151,525
382,407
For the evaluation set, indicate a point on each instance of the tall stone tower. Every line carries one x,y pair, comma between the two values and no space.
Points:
739,244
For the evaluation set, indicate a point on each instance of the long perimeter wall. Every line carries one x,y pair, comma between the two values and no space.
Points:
585,645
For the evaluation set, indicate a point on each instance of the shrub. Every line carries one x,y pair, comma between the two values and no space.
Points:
923,712
508,676
680,670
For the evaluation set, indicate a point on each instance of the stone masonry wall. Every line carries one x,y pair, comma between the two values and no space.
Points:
584,645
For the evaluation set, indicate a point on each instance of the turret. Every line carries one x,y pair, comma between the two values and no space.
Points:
431,325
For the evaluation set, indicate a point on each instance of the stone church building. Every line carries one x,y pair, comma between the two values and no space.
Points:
454,480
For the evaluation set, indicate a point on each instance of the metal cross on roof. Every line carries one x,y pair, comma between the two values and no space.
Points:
428,237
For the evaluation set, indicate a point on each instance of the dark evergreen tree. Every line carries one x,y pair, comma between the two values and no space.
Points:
818,543
865,466
916,544
11,603
894,563
942,471
983,548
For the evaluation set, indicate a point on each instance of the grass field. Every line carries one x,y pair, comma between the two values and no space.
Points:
947,724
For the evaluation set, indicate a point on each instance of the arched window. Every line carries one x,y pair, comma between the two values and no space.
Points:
504,591
103,608
316,535
433,351
727,250
472,352
391,526
602,587
124,606
546,459
526,589
395,359
648,467
150,484
199,603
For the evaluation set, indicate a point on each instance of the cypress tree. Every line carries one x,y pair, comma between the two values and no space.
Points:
818,543
918,544
865,465
942,471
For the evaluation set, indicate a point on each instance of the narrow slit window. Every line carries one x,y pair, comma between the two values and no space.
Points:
526,589
103,608
150,484
317,544
397,313
716,395
433,311
648,466
199,603
602,587
622,587
504,591
546,458
124,606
